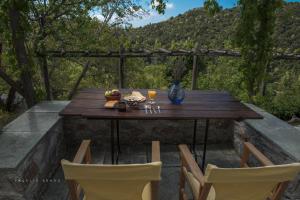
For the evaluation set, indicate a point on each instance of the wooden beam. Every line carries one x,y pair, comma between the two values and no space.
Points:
71,94
46,78
159,52
195,68
147,51
121,67
164,50
185,51
279,56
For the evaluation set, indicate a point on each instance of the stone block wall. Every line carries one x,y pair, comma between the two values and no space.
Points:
29,158
33,145
29,179
144,131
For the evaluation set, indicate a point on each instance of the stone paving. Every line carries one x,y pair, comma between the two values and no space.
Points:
220,155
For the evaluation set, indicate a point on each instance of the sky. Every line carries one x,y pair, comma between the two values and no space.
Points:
176,7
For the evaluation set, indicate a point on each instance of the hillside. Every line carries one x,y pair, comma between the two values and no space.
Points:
215,32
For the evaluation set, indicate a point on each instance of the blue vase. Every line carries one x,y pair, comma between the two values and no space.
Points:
176,93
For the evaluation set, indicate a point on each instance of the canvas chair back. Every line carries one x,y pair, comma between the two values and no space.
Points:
248,183
110,182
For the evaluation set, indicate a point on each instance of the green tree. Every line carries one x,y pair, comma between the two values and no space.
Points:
255,39
14,13
33,26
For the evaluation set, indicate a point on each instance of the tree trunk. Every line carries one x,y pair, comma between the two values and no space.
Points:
263,84
0,54
44,58
13,84
18,40
10,99
46,79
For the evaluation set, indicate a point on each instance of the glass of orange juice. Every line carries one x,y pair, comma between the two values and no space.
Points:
152,95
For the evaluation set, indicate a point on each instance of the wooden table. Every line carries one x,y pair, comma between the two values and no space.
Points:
89,103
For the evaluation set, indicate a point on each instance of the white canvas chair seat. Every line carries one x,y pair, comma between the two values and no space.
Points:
112,182
255,183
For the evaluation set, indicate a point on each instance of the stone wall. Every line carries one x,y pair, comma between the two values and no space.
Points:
30,157
144,131
33,144
29,179
274,138
41,164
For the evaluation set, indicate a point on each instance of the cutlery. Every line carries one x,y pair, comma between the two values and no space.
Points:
158,108
150,109
153,107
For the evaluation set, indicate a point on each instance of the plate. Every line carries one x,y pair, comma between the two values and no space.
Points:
135,97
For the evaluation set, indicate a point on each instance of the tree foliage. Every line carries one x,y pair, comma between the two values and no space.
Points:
212,6
72,25
33,26
254,37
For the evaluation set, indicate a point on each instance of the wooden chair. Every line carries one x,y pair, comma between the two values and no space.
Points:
255,183
109,182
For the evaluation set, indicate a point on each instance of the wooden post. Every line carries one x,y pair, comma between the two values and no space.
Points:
46,78
86,67
195,68
121,68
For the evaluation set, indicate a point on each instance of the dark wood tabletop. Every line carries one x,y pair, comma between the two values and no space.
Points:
89,103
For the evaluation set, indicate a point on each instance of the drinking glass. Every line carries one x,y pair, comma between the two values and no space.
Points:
152,95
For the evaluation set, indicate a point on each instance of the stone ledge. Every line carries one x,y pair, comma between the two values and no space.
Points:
32,147
277,131
49,106
20,136
16,146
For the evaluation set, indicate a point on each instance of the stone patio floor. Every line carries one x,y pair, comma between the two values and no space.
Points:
220,155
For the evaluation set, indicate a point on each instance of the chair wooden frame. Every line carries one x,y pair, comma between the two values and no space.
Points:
188,163
83,156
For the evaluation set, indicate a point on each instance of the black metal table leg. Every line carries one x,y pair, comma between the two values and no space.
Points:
194,140
118,137
112,141
205,143
118,141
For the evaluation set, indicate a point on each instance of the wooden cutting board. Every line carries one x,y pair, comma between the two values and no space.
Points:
111,104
